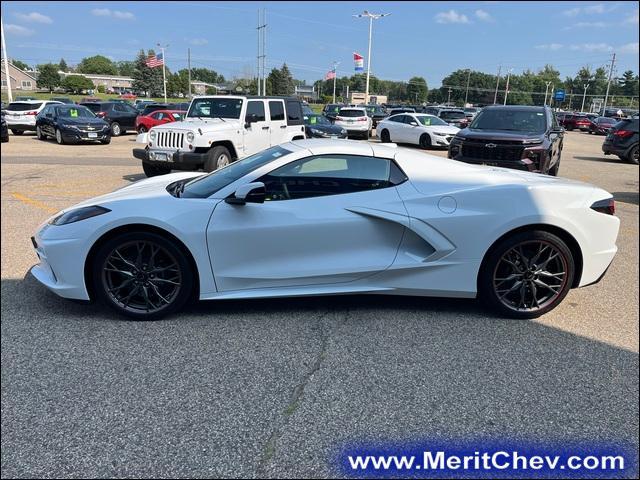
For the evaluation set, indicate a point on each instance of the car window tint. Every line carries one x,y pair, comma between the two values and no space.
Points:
276,110
256,108
294,113
323,175
156,116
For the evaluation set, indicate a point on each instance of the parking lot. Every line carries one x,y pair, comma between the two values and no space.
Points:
266,388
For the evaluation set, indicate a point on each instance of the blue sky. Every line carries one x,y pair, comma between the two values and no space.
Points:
428,39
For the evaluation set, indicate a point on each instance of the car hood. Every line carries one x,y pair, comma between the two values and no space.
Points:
204,125
443,129
96,122
525,137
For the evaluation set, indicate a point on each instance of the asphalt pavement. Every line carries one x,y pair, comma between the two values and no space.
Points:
274,388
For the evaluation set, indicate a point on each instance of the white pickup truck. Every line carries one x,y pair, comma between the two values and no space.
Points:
218,130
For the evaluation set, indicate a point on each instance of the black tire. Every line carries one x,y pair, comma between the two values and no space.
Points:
59,137
116,129
39,134
633,155
384,136
17,132
425,141
166,295
106,141
218,157
366,135
151,170
142,129
570,129
492,269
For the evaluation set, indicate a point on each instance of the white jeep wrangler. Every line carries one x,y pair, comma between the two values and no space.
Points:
218,130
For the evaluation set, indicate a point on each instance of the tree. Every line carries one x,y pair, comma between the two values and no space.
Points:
126,68
62,65
76,83
19,64
101,88
178,83
629,84
417,89
48,77
147,80
98,64
206,75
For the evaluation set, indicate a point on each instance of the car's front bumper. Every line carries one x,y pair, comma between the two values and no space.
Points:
177,160
80,136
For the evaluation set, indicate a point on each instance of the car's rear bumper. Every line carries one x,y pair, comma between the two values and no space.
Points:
611,149
176,160
21,126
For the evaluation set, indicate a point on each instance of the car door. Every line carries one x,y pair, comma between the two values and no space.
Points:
401,128
44,119
256,134
394,126
278,131
325,221
411,132
556,138
129,115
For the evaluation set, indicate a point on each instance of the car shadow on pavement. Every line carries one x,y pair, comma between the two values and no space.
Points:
602,159
134,177
299,377
627,197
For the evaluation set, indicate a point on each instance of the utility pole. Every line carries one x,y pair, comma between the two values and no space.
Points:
260,77
466,92
371,17
164,75
546,92
506,91
449,99
495,96
6,61
606,95
264,52
189,68
584,95
335,65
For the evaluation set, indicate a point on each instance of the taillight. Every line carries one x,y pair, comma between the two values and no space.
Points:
339,118
361,119
623,133
101,114
606,206
31,113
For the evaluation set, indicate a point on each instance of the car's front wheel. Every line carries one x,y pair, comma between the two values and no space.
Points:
633,155
425,141
142,129
384,136
116,130
142,275
218,157
59,137
526,275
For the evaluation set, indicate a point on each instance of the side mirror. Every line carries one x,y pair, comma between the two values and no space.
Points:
253,192
413,124
249,119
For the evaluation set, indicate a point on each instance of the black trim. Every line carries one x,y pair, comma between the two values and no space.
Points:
181,160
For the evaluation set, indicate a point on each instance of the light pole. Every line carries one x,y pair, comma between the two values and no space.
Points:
6,62
371,17
335,65
506,91
164,76
449,99
584,96
546,92
466,92
495,96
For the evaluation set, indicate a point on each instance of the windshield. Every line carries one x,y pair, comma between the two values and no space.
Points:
18,107
430,120
510,120
316,120
352,113
216,108
452,115
74,112
207,185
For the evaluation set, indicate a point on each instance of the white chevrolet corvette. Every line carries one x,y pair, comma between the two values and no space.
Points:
317,217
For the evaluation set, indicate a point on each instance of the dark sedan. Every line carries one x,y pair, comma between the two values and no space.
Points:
71,124
319,126
120,116
4,130
331,110
602,125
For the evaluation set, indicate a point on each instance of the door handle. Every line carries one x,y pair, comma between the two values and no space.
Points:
265,128
283,126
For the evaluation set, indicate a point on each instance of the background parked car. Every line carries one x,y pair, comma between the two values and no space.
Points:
159,117
376,112
572,121
4,130
331,110
319,126
422,129
120,116
601,125
396,111
63,100
71,124
622,140
355,121
148,108
180,106
454,117
24,98
471,112
21,115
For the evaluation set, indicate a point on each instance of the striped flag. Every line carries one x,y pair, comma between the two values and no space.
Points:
330,75
155,61
359,62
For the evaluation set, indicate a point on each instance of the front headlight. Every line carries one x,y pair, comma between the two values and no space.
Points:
190,137
78,214
152,135
441,134
70,126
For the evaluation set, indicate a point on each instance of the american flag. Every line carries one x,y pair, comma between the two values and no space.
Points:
155,61
330,74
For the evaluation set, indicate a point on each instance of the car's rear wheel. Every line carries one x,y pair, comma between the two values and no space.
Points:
218,157
633,155
106,141
384,136
154,170
17,132
526,275
116,130
39,134
142,275
425,141
59,137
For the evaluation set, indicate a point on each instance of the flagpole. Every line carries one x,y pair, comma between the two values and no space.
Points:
164,75
335,65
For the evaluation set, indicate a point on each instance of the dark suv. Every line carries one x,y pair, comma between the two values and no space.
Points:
120,116
622,140
331,111
520,137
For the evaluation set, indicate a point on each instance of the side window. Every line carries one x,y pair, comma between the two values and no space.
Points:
256,108
408,119
334,174
156,116
399,118
294,113
118,108
276,110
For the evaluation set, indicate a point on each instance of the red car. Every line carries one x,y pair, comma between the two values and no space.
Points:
575,120
159,117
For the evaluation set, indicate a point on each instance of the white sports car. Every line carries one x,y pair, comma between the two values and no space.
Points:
422,129
314,217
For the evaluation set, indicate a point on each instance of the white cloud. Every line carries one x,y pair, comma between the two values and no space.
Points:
34,17
18,30
595,9
572,13
587,25
590,10
198,41
550,46
120,15
629,48
484,16
451,17
633,18
592,47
